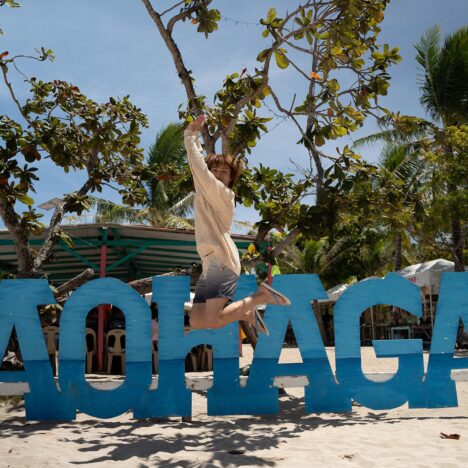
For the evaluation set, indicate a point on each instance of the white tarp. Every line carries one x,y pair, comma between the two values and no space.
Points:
335,292
187,305
427,273
370,278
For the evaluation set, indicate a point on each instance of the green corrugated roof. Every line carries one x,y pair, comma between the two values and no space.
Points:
134,251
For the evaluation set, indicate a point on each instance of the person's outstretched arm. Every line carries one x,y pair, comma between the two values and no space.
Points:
215,192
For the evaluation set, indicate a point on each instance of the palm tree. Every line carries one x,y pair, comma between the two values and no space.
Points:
351,252
444,95
444,83
402,180
168,203
169,151
444,87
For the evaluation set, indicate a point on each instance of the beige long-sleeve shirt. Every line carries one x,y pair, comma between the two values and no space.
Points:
214,210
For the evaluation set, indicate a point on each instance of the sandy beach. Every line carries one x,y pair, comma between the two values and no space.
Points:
363,438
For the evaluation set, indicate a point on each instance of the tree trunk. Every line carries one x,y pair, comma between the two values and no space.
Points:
145,285
20,237
249,333
457,231
319,320
78,280
182,71
457,243
62,291
397,253
25,262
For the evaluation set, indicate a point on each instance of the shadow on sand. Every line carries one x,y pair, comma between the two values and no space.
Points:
229,441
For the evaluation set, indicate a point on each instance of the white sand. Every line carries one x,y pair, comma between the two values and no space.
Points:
365,438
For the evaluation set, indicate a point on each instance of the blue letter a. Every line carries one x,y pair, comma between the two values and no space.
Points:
452,306
18,308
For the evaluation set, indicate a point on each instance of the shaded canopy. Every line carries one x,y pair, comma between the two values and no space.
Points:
133,251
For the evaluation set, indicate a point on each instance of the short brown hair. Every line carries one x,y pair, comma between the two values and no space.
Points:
235,164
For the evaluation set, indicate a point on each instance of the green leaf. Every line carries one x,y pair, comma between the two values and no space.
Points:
299,36
67,239
271,15
23,198
336,50
319,140
261,57
333,85
281,59
301,108
266,91
275,270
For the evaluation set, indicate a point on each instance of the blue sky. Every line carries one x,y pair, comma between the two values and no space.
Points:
112,48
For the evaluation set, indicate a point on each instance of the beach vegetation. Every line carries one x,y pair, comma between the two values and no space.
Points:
334,47
56,124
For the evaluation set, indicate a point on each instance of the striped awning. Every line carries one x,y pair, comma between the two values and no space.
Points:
133,251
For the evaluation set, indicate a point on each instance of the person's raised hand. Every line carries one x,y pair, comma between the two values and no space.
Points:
197,124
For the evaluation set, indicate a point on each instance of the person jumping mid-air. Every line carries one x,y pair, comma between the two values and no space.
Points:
214,211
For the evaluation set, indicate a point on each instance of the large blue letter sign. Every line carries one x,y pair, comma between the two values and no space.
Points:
45,399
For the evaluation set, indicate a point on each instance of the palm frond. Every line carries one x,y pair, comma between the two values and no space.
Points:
110,212
177,222
184,206
452,78
379,137
158,195
395,136
428,49
392,156
168,146
444,79
406,165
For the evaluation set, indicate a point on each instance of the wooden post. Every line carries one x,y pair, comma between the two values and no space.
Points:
270,278
431,305
240,340
318,318
101,308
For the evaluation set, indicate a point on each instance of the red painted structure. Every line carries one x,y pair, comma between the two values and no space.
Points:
102,309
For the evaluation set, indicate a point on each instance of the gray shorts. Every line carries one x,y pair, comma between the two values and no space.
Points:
218,281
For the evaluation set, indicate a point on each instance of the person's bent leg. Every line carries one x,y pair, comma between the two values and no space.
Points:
213,292
197,316
211,314
220,316
215,313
